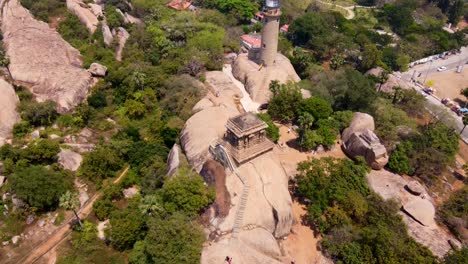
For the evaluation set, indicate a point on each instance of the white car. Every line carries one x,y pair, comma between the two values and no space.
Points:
442,68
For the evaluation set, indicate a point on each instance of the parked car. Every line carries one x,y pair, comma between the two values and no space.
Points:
442,68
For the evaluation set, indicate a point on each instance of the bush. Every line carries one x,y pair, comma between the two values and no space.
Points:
21,129
42,151
100,163
127,227
39,114
39,187
272,130
174,239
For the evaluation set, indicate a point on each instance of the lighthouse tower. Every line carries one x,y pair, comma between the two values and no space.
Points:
271,22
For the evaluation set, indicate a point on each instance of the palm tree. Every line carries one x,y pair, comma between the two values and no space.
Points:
383,78
70,201
464,92
306,121
397,95
151,205
465,122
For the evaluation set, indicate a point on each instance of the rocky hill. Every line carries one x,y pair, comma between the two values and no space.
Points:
41,60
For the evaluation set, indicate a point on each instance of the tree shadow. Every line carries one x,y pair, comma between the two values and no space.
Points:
461,102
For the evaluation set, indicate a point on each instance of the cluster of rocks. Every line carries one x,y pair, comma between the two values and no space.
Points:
360,140
417,210
92,15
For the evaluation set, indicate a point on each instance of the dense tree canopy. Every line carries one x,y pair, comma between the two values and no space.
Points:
40,187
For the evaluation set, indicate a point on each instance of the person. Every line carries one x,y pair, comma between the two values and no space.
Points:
229,260
289,130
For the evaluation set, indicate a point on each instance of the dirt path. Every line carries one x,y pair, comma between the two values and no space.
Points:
61,234
301,245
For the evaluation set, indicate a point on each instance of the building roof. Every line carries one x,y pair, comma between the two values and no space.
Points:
179,4
245,124
285,28
253,40
259,14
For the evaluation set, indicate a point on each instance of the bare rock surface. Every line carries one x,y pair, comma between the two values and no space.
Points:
257,79
107,34
392,186
415,188
173,160
202,104
97,70
122,36
70,160
130,192
8,114
40,58
101,227
421,210
84,13
360,140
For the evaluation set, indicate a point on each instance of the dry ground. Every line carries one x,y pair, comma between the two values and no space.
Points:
449,83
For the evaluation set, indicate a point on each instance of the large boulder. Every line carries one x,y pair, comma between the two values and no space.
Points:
8,114
41,59
84,13
214,175
107,34
257,79
98,70
70,160
122,36
421,210
360,140
173,160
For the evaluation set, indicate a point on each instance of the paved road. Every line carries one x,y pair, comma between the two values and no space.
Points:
435,101
451,63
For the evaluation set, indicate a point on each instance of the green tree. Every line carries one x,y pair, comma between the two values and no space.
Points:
285,101
464,92
371,57
186,192
42,151
272,131
127,227
465,123
70,201
456,11
174,239
306,121
310,140
100,163
39,114
316,106
39,187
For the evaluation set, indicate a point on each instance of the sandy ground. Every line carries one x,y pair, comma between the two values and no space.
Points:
301,245
449,83
290,155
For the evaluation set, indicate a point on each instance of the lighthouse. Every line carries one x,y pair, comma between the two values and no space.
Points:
271,24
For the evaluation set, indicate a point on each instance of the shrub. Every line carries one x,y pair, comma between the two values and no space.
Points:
39,114
39,187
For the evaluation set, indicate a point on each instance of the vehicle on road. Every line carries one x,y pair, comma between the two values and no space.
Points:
442,68
445,100
429,90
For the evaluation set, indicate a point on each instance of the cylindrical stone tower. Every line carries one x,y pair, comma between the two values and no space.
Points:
271,22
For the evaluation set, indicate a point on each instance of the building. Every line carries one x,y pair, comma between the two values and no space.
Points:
245,137
284,29
251,41
179,4
270,31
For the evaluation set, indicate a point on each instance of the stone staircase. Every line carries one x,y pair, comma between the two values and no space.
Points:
238,221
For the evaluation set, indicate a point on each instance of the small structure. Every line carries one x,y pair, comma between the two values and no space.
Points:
246,138
284,29
179,4
251,41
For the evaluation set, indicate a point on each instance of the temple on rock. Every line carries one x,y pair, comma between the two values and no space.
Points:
245,137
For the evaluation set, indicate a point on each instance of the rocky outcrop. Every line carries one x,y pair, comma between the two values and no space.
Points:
107,34
214,175
360,140
84,13
173,160
40,58
417,211
122,36
420,210
257,79
8,114
253,206
69,160
97,70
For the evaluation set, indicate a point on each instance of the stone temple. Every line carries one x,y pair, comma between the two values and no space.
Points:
245,137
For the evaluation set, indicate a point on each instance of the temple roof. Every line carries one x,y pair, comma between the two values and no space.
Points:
245,124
